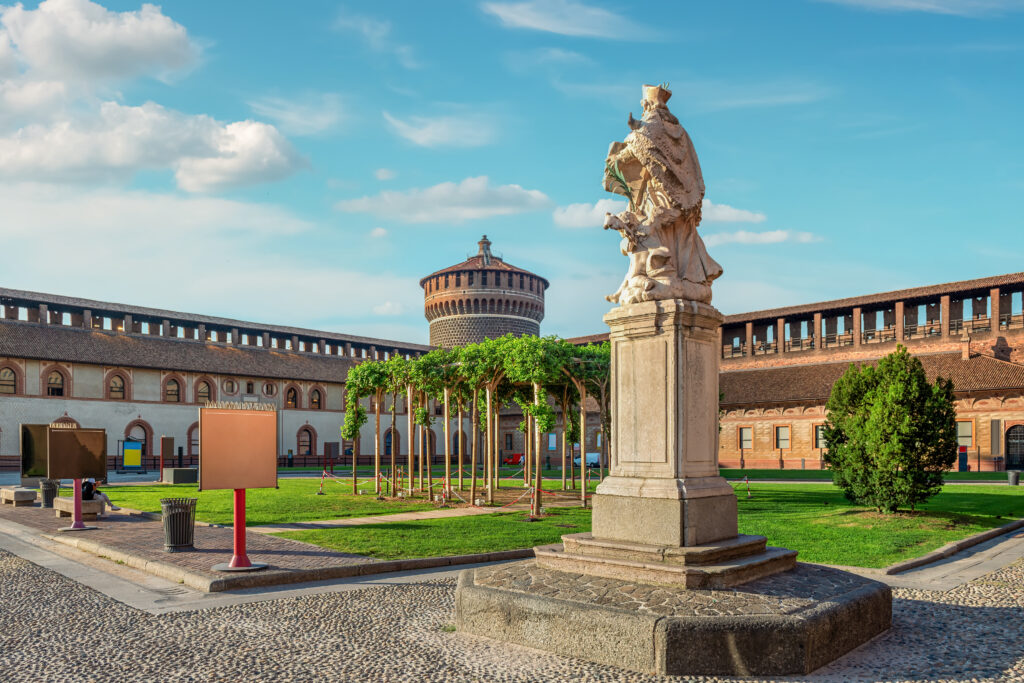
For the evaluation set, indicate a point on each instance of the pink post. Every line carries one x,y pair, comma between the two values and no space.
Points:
239,560
76,519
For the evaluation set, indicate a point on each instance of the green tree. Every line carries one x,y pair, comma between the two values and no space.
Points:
890,434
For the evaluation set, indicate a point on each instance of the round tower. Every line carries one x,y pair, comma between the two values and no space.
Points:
482,298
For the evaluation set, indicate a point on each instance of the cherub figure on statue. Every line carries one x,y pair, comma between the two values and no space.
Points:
656,168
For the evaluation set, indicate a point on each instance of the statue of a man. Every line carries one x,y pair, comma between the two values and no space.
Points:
656,167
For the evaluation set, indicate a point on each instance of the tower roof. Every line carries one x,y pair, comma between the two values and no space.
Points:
484,260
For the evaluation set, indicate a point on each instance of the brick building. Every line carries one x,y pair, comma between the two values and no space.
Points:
778,367
482,298
142,373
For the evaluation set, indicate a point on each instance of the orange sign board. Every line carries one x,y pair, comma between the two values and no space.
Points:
237,449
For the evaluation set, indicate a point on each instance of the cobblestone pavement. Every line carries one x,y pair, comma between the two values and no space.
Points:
53,629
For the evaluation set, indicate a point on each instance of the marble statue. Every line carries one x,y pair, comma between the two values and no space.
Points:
656,168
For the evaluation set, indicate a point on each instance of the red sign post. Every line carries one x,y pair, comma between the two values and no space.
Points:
238,451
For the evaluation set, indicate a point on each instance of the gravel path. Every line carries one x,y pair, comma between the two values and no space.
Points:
53,629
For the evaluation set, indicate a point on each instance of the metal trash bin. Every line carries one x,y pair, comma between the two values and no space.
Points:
49,488
179,517
1014,477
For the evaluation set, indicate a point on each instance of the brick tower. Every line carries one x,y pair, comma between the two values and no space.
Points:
482,298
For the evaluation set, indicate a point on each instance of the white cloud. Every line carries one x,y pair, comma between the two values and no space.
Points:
709,96
307,116
388,308
78,39
244,153
384,174
527,61
470,199
723,213
215,245
205,154
472,130
767,237
566,17
586,215
965,8
8,58
378,37
378,233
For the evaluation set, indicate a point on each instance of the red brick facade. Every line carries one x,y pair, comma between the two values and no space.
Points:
482,298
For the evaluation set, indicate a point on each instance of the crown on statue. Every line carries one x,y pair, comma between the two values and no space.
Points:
656,96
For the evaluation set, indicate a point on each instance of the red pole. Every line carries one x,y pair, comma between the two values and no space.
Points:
76,519
239,559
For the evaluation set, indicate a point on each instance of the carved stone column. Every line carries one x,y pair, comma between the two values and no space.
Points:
664,487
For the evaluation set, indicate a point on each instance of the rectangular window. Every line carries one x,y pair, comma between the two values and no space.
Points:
551,441
458,279
483,278
965,433
782,437
819,436
746,438
508,442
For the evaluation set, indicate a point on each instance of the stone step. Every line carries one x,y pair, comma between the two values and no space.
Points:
723,575
713,553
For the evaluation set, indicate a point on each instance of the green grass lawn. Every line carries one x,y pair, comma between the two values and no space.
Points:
819,522
294,501
452,536
814,519
825,475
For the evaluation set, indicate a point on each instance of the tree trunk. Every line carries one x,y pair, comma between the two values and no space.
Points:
394,447
565,422
537,485
462,438
583,444
474,425
376,442
489,449
412,436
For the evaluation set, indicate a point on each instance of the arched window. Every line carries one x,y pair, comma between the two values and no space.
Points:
203,392
55,384
193,439
172,391
307,441
391,438
315,400
291,398
8,381
116,388
139,432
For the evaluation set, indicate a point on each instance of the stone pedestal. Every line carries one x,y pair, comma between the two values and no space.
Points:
664,481
665,583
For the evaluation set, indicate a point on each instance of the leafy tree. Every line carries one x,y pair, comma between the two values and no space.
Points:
368,378
890,434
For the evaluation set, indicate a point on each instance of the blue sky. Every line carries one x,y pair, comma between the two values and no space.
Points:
307,163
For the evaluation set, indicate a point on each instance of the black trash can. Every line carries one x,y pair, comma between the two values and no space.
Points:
1014,477
179,515
49,488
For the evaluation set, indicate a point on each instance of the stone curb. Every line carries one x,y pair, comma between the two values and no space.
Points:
208,584
952,548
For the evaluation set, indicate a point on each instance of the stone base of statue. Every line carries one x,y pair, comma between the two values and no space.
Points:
665,583
789,623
